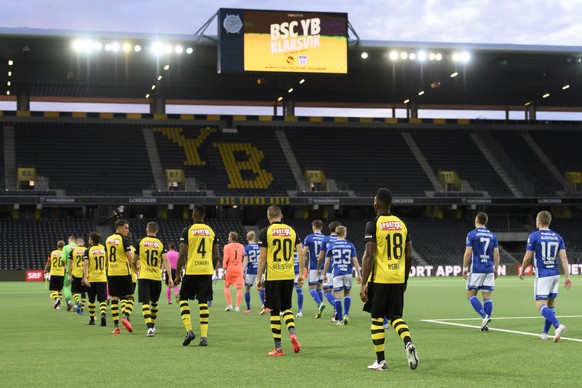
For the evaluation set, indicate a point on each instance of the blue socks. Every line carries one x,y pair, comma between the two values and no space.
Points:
347,304
338,308
476,303
320,293
299,297
262,296
330,298
248,299
550,316
315,295
488,306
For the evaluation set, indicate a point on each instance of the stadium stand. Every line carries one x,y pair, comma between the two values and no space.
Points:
248,162
85,158
2,184
527,162
346,156
26,244
449,149
565,155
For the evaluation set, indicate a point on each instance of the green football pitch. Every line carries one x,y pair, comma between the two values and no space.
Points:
41,346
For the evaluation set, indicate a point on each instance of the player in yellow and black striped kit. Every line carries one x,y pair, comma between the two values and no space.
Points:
385,268
95,278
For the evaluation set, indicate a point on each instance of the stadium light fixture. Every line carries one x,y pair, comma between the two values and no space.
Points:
9,74
302,81
153,87
8,83
8,92
412,56
189,50
167,67
546,95
159,77
527,103
290,90
422,56
168,48
280,98
393,55
406,101
421,93
147,95
126,47
456,57
115,46
77,45
404,55
10,62
438,56
456,73
97,46
179,49
137,48
108,47
431,56
364,55
465,57
567,86
157,48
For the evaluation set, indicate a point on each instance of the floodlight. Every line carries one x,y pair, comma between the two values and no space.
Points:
465,57
438,56
157,48
166,67
364,55
280,98
159,77
393,55
421,93
77,44
8,92
290,90
456,73
97,46
147,95
189,50
179,49
137,48
168,48
456,57
406,101
546,95
153,87
108,47
422,56
567,86
302,80
431,56
10,62
412,56
126,47
8,83
115,46
403,55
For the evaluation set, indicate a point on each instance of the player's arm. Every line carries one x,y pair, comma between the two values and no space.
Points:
564,260
85,280
320,259
225,259
301,259
262,264
526,259
367,266
325,267
407,261
168,268
245,262
467,260
215,254
496,259
70,265
181,261
357,268
47,267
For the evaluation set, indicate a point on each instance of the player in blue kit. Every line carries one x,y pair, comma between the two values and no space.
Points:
250,267
544,247
328,286
480,264
343,255
311,246
298,287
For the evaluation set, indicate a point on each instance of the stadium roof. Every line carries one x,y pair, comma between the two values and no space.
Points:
44,65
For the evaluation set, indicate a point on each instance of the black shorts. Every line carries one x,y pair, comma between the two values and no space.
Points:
99,290
120,286
278,294
56,283
173,275
149,290
385,300
133,285
77,287
196,287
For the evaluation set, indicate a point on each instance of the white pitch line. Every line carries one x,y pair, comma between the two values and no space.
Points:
496,329
506,318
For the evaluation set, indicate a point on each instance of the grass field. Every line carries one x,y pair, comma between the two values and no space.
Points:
45,347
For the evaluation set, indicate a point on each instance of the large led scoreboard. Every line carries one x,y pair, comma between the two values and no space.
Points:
282,41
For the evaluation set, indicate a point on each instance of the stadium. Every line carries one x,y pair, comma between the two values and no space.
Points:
66,173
